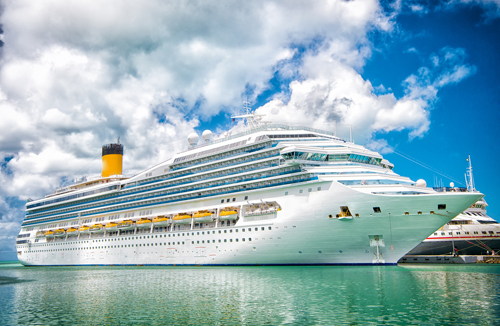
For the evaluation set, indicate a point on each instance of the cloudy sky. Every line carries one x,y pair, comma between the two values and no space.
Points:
417,82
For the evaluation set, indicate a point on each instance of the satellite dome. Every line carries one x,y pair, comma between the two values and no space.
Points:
207,135
193,138
452,185
421,183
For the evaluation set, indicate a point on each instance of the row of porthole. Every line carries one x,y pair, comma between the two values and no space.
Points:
302,190
140,245
468,233
173,235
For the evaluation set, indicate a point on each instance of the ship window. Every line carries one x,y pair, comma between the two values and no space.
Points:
256,229
442,233
242,230
432,212
220,231
467,232
484,232
262,228
490,232
234,199
219,240
225,231
246,197
230,240
376,210
225,240
236,239
407,213
270,228
330,216
457,233
301,191
243,239
310,189
230,231
249,229
442,206
286,193
222,201
475,232
228,200
435,233
419,213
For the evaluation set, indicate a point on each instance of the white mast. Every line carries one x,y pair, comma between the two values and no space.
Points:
253,120
470,180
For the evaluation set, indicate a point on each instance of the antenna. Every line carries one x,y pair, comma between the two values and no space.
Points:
470,183
253,120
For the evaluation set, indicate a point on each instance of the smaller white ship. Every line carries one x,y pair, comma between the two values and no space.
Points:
472,232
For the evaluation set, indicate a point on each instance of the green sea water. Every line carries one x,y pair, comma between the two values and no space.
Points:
326,295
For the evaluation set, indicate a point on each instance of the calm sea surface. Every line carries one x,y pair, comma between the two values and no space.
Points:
409,294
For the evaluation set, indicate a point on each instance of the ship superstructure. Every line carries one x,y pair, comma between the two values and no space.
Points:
274,194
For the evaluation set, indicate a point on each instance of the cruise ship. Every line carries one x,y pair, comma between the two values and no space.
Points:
472,232
272,195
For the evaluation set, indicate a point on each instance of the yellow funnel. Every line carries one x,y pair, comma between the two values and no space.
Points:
112,159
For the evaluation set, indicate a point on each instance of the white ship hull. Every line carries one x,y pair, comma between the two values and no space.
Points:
302,233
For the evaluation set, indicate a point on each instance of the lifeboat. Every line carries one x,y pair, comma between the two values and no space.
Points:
96,228
59,233
49,234
111,227
202,216
143,223
126,225
229,213
84,229
161,221
72,231
182,218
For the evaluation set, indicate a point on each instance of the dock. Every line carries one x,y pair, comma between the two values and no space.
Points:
449,259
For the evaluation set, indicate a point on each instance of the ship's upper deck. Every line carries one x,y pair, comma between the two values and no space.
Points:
232,161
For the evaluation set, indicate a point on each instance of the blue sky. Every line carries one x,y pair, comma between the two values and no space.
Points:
412,78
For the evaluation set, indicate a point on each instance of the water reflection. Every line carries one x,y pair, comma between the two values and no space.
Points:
251,295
